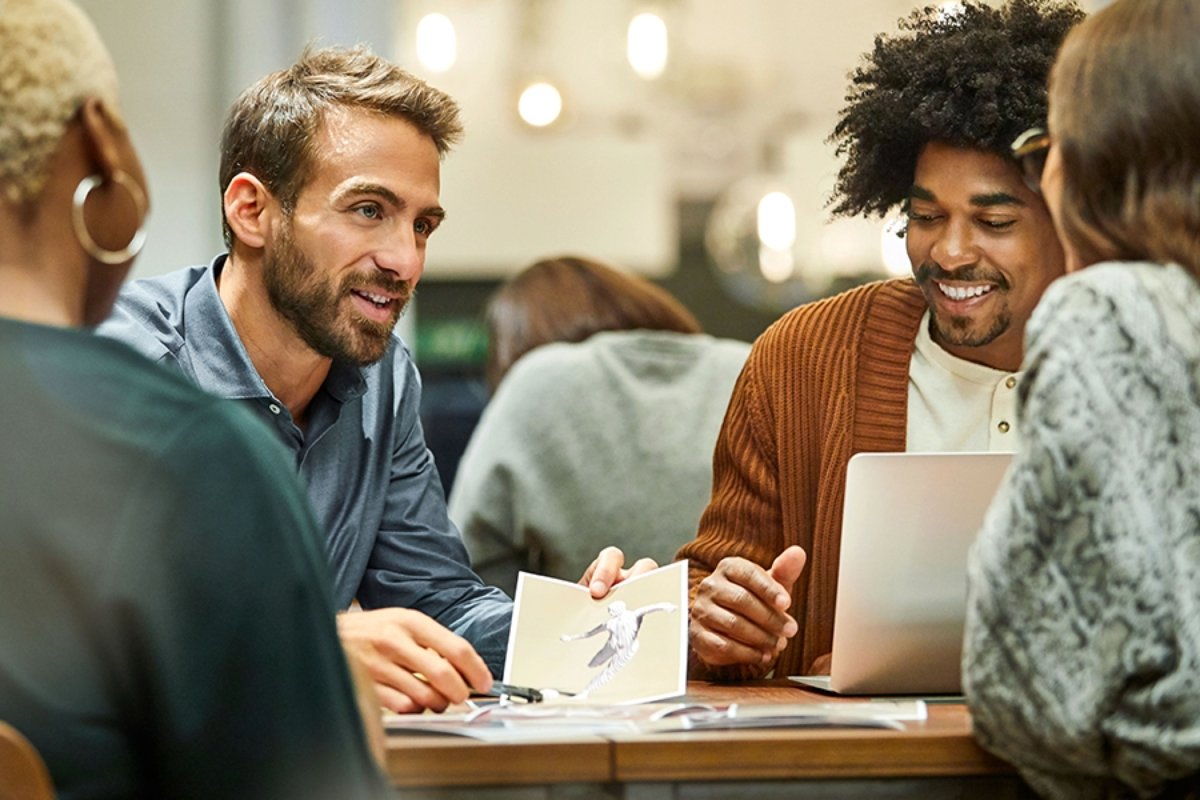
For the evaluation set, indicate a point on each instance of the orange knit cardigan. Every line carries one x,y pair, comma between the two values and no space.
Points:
826,381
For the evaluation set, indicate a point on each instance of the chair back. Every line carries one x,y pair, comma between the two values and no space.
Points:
23,774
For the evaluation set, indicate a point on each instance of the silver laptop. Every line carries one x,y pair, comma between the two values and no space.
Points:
909,520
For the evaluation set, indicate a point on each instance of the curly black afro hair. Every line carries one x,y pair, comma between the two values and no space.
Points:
974,77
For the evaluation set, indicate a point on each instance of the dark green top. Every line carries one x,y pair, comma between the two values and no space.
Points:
166,625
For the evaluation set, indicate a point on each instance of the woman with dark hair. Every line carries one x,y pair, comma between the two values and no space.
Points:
567,299
607,401
1082,654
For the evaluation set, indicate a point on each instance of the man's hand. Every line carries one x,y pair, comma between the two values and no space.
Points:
606,571
740,612
415,663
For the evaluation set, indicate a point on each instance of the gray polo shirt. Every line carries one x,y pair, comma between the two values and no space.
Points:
370,477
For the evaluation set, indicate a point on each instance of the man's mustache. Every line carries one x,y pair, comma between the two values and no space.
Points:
929,271
401,290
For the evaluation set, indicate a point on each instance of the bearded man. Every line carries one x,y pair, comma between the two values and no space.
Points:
330,173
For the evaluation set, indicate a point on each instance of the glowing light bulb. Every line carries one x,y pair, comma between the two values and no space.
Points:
437,43
646,45
777,221
540,104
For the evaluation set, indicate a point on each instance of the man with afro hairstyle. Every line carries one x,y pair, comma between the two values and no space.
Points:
928,363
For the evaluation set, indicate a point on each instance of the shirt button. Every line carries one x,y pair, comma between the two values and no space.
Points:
1003,427
274,408
1011,382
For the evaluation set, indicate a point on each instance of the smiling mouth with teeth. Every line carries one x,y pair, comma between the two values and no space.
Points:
381,301
964,292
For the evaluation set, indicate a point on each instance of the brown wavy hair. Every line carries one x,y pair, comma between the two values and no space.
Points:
1125,115
272,127
567,299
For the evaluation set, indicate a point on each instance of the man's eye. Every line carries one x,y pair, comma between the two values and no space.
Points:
423,227
916,216
999,224
369,211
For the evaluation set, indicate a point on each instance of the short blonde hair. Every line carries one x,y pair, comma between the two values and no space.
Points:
51,60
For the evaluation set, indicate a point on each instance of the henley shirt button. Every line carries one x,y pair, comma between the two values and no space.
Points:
1011,382
1003,427
274,408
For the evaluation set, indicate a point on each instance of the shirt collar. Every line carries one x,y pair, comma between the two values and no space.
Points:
219,358
959,367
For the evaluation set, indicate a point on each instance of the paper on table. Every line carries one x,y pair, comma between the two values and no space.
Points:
538,721
629,647
868,714
542,722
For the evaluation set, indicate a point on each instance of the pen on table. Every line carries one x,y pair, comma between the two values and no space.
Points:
508,690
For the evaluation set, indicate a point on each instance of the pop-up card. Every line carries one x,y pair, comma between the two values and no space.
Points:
628,647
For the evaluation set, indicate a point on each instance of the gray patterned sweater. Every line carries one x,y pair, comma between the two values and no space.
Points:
1082,653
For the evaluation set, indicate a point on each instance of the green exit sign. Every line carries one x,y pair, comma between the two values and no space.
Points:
451,341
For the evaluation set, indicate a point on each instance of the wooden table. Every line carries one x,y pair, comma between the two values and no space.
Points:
935,758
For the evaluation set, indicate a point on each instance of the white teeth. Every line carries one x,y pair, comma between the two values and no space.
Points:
963,292
377,299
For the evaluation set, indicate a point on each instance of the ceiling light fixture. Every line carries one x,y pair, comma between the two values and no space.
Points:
540,104
646,45
437,43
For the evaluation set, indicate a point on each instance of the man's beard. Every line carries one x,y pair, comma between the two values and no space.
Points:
963,331
314,307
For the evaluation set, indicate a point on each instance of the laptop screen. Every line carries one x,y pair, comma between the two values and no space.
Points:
909,521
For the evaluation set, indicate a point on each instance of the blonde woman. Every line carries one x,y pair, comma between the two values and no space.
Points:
142,650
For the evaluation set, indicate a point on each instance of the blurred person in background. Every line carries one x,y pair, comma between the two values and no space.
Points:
166,620
607,399
1082,652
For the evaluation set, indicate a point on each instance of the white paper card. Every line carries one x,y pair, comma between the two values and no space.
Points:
629,647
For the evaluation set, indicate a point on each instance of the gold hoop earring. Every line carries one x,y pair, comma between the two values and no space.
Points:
85,187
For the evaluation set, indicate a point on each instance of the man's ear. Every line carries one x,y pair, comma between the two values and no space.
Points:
247,202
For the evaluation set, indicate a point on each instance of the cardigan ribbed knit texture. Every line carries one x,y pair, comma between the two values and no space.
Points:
826,381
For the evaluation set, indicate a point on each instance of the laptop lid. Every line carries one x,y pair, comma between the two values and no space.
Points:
909,521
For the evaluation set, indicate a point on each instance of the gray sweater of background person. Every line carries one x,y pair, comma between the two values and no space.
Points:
604,442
